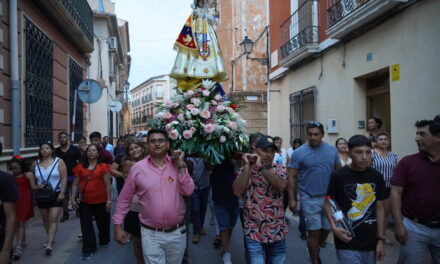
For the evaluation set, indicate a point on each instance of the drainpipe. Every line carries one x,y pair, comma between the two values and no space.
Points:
15,85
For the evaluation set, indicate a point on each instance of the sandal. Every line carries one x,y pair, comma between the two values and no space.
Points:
18,251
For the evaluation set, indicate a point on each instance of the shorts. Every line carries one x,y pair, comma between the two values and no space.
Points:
226,215
314,214
50,204
356,257
132,224
69,186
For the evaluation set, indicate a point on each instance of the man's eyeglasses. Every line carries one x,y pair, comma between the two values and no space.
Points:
159,141
314,124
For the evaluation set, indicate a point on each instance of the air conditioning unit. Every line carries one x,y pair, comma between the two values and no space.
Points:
112,43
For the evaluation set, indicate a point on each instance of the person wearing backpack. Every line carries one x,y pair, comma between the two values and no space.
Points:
51,178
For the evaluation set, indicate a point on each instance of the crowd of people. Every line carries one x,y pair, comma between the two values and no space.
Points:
161,192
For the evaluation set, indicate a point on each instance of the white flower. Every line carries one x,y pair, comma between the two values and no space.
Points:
206,93
174,134
220,108
222,139
230,110
188,94
195,111
181,117
218,97
214,102
208,84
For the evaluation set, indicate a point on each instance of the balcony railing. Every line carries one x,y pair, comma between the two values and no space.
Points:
300,29
338,9
74,18
82,14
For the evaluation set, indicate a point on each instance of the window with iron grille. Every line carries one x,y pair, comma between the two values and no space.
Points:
302,110
75,78
39,86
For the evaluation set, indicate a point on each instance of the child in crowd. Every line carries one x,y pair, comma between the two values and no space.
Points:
24,208
359,190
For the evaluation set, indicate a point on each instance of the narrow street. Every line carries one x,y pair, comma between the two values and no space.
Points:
68,247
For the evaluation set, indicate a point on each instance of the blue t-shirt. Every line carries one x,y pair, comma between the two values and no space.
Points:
314,165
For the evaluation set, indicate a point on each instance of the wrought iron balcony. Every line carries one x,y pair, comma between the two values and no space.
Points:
299,34
74,18
345,16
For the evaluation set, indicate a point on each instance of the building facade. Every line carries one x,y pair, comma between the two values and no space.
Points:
247,82
54,42
341,62
145,96
110,66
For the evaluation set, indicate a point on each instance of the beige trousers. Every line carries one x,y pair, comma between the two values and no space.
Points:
163,248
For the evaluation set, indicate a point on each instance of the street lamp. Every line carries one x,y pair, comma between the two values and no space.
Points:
126,86
246,45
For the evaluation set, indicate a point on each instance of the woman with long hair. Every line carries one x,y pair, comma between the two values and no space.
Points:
374,127
134,152
50,171
24,207
342,147
92,178
384,161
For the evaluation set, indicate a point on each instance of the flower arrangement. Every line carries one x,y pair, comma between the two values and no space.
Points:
203,122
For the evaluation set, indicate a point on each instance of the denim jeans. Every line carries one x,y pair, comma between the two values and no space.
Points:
421,241
266,253
356,257
199,204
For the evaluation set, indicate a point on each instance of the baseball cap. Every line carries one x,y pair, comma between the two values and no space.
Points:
265,142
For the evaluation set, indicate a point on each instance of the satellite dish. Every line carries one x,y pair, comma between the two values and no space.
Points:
89,91
115,106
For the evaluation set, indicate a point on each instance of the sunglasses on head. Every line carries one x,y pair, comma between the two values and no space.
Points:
313,124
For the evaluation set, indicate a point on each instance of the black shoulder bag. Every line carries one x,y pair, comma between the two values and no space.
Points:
47,193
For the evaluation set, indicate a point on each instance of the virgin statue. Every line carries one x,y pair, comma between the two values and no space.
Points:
198,52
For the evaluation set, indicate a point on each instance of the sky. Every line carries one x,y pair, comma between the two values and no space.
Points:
153,27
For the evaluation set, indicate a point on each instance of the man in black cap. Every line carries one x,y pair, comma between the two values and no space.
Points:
264,221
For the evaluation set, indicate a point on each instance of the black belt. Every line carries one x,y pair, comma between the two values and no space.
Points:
165,230
430,224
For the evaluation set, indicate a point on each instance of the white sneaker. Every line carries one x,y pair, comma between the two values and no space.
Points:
227,258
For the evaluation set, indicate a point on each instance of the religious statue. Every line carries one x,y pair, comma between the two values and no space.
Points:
198,53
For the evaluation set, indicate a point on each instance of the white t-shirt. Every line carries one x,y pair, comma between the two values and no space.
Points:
281,158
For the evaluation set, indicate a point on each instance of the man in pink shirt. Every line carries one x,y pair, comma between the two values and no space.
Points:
159,181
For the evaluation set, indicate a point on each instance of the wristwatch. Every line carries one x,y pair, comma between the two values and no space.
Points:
380,239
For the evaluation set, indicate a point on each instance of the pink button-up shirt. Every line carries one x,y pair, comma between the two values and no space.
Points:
160,194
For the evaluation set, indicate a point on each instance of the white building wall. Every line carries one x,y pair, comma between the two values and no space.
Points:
410,39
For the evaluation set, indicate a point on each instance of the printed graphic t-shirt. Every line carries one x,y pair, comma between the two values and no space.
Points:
356,192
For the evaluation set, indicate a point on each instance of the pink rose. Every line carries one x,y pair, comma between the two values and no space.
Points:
196,101
168,127
206,93
174,134
232,125
221,108
193,130
188,94
218,97
230,110
209,128
190,106
167,115
214,102
205,114
195,111
187,134
181,117
222,139
169,104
